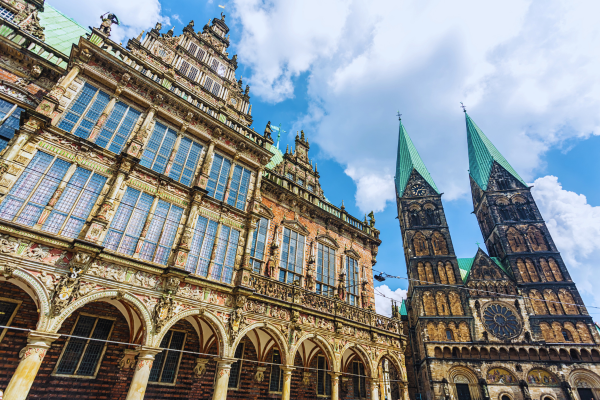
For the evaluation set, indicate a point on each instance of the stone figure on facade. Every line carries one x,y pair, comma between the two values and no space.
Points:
108,20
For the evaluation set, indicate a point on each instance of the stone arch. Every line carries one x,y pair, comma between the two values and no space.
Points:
494,374
450,273
584,379
546,270
442,273
432,332
536,239
31,285
460,374
214,323
319,341
533,274
394,360
272,330
584,332
555,270
366,358
568,302
104,295
522,271
429,304
547,332
420,245
552,302
442,303
421,272
516,240
429,273
455,305
438,242
539,305
465,333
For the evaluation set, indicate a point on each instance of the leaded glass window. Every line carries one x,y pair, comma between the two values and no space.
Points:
257,249
188,70
201,247
323,377
325,270
217,179
7,312
157,152
75,204
156,246
84,111
276,379
128,222
166,363
9,121
224,260
215,89
352,280
81,357
359,380
118,127
34,188
238,189
186,160
6,14
236,367
292,256
208,83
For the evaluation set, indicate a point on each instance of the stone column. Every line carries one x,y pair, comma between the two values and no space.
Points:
137,388
244,270
103,117
173,153
335,385
374,388
213,254
54,199
202,180
58,91
287,382
141,136
222,378
228,184
149,218
32,356
182,249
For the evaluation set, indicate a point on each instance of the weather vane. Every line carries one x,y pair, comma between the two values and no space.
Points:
399,115
463,107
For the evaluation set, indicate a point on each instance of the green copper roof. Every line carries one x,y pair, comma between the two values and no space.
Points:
61,31
276,159
403,308
465,265
482,154
407,159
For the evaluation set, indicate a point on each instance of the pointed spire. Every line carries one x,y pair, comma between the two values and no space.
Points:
482,154
408,159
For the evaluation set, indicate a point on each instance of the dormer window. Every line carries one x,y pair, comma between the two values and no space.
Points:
300,182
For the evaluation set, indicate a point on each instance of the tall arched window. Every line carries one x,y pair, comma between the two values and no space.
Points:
325,270
439,244
429,272
536,239
442,273
420,245
555,270
532,271
516,240
352,284
522,271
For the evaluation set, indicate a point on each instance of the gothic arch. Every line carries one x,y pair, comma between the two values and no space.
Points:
546,270
429,304
145,315
207,316
440,247
429,273
539,305
536,239
516,240
523,271
455,304
450,273
319,341
552,302
555,270
272,330
31,285
362,353
568,302
420,245
533,274
442,303
581,378
442,273
394,360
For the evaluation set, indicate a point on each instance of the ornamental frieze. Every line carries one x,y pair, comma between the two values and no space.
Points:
34,251
269,310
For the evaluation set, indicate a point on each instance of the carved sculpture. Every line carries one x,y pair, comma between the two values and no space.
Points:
107,23
163,311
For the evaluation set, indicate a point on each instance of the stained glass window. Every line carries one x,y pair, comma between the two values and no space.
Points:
186,160
118,127
166,363
82,356
84,111
75,204
128,222
292,256
201,246
217,180
224,259
157,152
325,270
238,189
257,249
34,188
156,246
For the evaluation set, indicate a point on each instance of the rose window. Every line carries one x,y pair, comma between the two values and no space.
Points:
501,321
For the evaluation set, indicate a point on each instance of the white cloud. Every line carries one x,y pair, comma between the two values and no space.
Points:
134,15
383,305
575,227
526,69
177,18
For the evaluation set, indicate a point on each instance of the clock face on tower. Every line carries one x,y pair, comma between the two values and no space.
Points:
418,190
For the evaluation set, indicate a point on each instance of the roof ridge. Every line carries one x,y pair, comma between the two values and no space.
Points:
407,159
482,154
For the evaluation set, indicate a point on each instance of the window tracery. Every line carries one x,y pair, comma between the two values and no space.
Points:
516,240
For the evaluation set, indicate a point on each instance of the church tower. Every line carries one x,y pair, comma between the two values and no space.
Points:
435,304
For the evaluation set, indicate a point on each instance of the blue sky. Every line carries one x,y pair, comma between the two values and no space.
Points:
340,69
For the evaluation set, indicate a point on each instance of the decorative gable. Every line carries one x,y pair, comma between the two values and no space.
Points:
328,241
352,253
295,225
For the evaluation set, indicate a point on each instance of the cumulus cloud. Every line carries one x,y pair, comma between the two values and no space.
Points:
134,15
575,227
383,305
526,69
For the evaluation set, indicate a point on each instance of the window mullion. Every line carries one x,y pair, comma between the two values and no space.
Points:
33,190
85,347
118,126
75,202
84,112
162,368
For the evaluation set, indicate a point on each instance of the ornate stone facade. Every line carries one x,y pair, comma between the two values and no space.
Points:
138,207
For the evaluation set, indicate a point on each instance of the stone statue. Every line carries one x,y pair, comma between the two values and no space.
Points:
107,23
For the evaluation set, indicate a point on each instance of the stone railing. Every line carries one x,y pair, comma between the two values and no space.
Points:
328,305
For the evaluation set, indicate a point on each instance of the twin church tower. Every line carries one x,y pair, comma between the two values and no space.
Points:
508,324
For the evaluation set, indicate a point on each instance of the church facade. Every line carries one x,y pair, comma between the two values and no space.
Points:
153,244
506,324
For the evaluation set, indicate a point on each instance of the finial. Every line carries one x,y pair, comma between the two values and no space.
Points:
297,135
463,107
139,38
316,167
477,243
342,207
287,149
399,115
302,135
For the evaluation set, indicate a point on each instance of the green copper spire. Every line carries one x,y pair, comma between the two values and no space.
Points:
408,159
482,154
